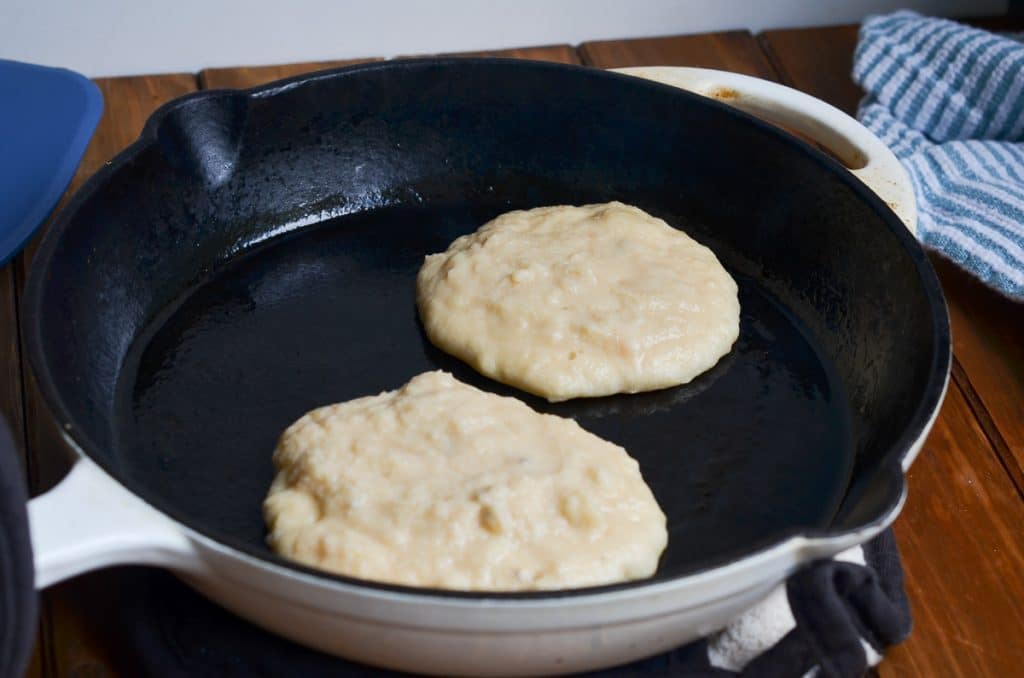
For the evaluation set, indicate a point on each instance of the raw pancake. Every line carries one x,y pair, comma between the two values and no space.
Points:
441,485
567,302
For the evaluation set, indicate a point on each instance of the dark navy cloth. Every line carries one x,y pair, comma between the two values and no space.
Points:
19,604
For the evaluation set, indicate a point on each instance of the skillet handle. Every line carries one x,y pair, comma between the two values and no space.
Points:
862,152
89,521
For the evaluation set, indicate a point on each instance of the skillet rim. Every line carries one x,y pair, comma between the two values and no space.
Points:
892,460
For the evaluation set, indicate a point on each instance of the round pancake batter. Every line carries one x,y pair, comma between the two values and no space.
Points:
441,485
567,302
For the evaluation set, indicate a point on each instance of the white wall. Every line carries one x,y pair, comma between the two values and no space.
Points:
111,37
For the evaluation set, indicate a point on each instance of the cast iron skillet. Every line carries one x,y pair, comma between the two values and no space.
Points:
253,256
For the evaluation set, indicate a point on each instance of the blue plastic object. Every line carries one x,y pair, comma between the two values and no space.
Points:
47,116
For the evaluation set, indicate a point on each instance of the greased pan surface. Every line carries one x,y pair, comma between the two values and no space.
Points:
254,256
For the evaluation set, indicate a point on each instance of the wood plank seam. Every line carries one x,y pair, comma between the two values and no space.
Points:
44,625
19,272
782,74
244,77
18,427
47,650
989,428
44,629
960,376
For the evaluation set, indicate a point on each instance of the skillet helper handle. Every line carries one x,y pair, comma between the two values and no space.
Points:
862,152
89,521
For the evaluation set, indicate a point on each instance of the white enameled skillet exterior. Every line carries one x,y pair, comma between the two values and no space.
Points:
91,521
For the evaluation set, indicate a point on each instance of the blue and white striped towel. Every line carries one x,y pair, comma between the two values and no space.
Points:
949,101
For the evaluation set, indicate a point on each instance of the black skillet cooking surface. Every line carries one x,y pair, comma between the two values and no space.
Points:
255,257
330,316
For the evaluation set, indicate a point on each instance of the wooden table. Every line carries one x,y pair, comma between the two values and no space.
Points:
961,533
